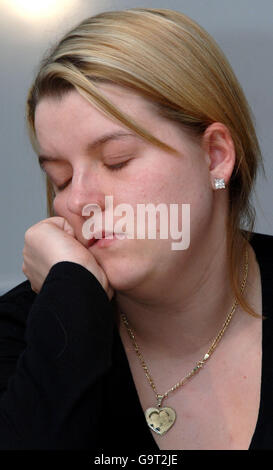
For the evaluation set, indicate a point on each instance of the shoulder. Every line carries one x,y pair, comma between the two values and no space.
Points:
14,308
263,247
20,292
15,305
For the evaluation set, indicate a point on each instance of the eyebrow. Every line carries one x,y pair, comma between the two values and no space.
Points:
90,146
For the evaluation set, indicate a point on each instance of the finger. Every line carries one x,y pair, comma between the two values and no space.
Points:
61,223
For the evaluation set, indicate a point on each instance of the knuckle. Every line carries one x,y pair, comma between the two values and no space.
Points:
31,230
28,234
24,269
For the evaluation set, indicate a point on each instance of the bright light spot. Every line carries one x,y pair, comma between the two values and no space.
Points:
35,9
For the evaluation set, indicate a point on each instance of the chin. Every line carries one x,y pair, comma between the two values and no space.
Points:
125,275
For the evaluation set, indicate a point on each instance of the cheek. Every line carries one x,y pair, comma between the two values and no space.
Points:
59,205
150,187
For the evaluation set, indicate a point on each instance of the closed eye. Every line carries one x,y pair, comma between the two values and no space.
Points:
63,186
118,166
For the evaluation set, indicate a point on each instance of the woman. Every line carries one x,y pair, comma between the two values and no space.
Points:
128,343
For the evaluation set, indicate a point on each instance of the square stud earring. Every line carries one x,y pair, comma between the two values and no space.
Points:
219,183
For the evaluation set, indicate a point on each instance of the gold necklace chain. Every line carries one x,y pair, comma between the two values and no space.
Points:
156,420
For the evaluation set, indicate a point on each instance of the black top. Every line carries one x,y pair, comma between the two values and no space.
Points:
65,382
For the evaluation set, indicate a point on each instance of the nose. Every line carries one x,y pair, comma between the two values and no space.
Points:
85,189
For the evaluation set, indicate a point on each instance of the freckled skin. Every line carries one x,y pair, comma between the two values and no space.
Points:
173,299
152,176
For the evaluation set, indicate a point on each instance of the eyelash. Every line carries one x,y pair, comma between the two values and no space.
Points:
63,186
116,167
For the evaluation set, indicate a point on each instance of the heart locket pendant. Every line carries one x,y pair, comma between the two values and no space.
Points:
160,420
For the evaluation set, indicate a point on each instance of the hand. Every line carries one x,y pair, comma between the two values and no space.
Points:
51,241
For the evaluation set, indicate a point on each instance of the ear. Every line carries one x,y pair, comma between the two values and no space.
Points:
220,152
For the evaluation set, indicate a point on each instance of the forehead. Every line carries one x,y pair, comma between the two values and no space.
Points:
73,105
74,116
64,125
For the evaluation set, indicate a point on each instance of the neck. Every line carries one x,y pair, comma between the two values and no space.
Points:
189,311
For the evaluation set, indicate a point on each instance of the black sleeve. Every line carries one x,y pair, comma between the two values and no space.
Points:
53,399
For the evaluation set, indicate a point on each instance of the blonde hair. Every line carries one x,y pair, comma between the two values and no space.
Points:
170,60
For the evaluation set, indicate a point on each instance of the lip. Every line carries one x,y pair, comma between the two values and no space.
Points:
102,242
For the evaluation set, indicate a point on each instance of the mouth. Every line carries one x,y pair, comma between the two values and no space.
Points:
91,242
95,239
102,241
